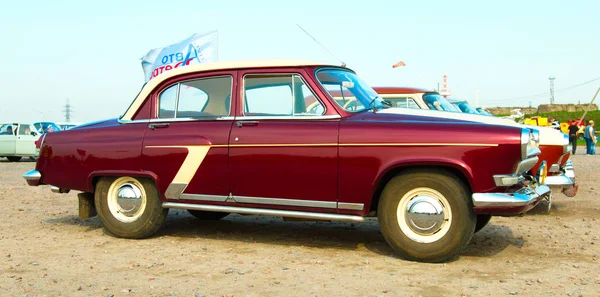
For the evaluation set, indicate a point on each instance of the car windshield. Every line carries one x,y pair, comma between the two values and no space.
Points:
348,90
465,107
438,102
46,127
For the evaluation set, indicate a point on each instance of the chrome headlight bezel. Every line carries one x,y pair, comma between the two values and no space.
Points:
530,143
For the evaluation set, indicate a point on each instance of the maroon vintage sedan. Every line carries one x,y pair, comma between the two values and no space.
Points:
239,137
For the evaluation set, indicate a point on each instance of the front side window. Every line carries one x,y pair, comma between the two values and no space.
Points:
349,91
196,99
279,95
7,129
438,102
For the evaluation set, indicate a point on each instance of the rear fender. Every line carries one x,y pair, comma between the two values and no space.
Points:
93,177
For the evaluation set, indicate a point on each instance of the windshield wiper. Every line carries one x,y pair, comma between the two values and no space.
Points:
375,107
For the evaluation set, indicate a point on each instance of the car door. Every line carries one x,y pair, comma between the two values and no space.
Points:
7,139
283,150
186,141
25,142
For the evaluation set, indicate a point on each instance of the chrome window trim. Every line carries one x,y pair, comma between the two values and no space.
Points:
243,92
297,118
170,120
287,202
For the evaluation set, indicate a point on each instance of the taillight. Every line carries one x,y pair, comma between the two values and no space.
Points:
38,143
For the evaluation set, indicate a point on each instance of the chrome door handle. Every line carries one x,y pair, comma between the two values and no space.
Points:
158,125
246,123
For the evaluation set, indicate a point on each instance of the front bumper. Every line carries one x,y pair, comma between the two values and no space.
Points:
32,177
510,203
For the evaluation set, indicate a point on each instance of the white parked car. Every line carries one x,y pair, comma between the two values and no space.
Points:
17,140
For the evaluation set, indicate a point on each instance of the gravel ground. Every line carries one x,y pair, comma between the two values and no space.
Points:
48,251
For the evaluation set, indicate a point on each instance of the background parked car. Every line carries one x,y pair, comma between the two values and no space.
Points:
17,140
67,126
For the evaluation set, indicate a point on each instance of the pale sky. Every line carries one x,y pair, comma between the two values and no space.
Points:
89,51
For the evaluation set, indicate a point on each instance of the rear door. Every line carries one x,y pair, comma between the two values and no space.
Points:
186,141
25,142
7,139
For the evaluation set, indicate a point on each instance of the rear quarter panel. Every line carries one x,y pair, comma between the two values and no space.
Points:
68,158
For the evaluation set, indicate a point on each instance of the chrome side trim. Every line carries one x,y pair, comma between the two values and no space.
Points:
525,165
559,180
297,117
351,206
145,121
522,197
266,212
200,197
175,190
288,202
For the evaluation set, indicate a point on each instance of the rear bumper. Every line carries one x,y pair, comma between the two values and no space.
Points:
32,177
508,204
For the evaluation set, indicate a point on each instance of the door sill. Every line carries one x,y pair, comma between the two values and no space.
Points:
266,212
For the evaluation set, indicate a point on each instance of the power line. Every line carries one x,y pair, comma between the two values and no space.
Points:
539,95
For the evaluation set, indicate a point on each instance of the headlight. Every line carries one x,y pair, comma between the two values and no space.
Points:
530,143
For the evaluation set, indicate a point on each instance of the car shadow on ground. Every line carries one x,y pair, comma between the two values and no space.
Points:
24,159
326,235
90,223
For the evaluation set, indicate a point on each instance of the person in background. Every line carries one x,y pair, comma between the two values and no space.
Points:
590,138
573,129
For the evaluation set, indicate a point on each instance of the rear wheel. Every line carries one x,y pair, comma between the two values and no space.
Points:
14,159
482,221
129,207
208,215
426,215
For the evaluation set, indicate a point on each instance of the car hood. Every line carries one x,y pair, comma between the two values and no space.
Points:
548,136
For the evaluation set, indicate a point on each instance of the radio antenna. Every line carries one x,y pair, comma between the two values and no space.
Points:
343,64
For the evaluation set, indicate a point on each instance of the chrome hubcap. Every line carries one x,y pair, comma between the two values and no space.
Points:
425,215
126,199
129,198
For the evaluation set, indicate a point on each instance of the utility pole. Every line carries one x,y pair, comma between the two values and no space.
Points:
68,110
551,78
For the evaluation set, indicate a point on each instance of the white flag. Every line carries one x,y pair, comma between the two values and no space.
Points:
198,48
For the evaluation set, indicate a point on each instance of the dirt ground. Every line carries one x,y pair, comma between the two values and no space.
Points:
47,251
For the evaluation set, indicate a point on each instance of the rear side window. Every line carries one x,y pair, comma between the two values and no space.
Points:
205,98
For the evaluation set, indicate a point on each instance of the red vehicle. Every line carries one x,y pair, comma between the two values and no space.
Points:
554,144
227,137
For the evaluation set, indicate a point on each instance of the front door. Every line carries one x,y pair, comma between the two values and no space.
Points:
186,141
283,151
25,143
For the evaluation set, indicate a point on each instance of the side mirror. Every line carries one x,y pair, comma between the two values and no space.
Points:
33,133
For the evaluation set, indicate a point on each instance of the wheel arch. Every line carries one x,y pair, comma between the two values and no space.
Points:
461,170
96,175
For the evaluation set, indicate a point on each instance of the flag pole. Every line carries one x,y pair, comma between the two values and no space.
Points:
589,106
217,45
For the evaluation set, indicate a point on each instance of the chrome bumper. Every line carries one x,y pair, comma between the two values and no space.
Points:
514,203
559,180
32,177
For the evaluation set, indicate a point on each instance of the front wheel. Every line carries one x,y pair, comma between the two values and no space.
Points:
426,215
129,207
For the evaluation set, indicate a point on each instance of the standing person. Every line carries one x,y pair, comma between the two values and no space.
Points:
590,138
573,129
